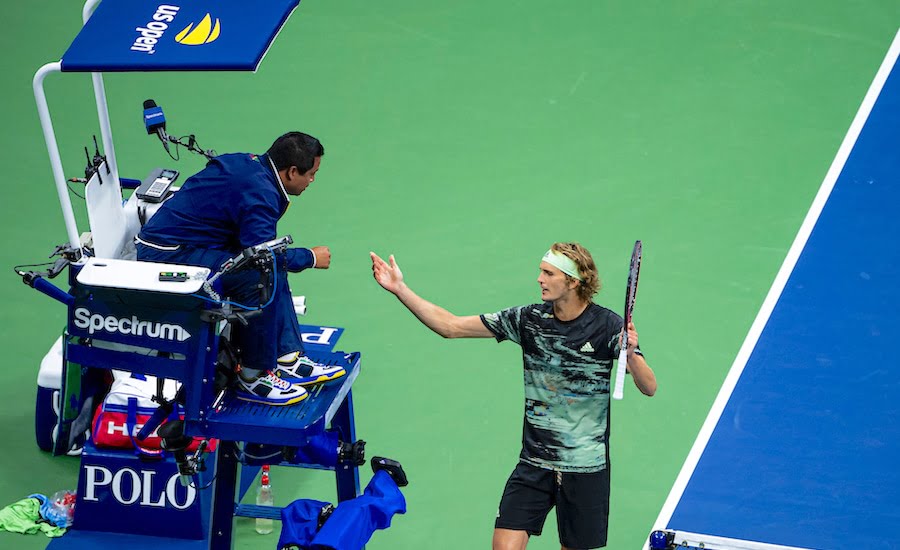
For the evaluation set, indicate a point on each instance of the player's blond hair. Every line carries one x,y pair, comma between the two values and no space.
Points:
590,279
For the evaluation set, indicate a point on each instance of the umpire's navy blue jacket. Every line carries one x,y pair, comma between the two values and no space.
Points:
233,203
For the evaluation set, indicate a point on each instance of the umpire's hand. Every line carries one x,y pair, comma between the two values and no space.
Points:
323,256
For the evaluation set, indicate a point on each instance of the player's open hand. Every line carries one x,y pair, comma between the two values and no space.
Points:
323,256
388,276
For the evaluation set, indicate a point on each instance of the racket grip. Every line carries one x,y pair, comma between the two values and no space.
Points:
619,391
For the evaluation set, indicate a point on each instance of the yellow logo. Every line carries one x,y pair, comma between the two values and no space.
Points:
204,33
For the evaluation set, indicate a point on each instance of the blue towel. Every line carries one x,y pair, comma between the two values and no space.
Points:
299,520
352,523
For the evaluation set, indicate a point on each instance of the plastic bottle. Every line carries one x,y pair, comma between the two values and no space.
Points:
59,509
264,497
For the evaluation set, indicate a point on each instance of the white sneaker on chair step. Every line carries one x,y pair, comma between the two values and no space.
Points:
300,369
269,389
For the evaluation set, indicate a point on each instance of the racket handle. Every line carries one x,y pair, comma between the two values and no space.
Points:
619,391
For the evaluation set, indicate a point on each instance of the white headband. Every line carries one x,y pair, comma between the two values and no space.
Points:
562,263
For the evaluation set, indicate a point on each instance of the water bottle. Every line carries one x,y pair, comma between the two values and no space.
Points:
264,526
59,509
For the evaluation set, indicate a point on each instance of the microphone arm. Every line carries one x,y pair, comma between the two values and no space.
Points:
252,256
252,253
192,146
155,122
164,138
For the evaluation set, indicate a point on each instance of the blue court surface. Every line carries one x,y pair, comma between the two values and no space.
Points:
802,445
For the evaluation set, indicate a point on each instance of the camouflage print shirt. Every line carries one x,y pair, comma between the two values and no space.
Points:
567,367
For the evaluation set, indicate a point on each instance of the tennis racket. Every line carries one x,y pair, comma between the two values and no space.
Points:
630,294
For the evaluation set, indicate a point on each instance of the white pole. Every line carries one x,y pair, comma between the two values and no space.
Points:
102,109
105,128
88,9
53,150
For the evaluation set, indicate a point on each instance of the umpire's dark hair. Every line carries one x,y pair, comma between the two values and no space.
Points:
295,149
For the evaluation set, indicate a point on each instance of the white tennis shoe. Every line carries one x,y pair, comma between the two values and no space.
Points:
300,369
269,389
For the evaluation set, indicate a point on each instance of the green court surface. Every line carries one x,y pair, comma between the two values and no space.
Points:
466,137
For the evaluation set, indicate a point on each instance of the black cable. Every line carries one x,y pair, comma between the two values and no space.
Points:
17,269
192,146
207,486
74,192
168,152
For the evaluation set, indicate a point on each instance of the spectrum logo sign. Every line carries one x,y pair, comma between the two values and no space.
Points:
94,322
204,32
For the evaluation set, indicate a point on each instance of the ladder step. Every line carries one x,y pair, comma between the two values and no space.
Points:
257,511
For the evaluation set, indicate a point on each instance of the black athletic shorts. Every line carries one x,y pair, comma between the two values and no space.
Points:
581,500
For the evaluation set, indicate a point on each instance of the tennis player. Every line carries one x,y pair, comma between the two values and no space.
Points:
569,348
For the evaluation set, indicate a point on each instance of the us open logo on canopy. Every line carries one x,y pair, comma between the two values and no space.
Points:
205,32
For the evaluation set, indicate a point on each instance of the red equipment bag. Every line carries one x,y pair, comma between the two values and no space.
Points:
125,410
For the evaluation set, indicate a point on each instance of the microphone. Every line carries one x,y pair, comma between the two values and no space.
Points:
155,122
174,441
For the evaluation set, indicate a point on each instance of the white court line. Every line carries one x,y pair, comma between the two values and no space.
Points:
720,543
775,291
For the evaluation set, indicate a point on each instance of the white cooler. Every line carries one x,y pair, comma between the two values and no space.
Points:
46,408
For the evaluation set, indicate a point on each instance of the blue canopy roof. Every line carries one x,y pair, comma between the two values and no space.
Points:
177,35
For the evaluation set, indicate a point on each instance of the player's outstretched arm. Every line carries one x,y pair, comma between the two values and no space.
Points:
640,371
433,316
